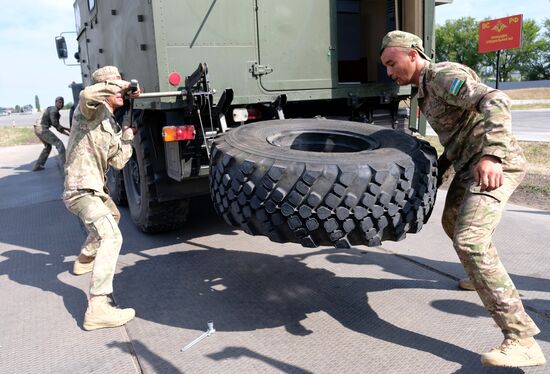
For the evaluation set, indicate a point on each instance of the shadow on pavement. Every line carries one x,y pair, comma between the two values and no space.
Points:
245,291
41,270
145,354
237,352
242,291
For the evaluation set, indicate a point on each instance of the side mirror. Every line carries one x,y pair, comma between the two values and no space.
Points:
61,47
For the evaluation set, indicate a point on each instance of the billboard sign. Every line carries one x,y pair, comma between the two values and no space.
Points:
501,33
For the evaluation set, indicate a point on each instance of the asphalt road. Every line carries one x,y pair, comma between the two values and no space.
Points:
530,125
28,119
277,308
527,125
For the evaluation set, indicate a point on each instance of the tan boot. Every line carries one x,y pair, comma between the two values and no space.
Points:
515,353
83,264
100,314
466,284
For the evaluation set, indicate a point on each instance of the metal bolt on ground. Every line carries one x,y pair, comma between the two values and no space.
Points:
210,331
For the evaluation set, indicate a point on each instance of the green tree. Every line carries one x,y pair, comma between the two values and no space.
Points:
37,102
519,59
539,65
457,41
17,109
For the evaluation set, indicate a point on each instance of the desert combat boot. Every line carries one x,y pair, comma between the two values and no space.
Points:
515,353
83,265
100,314
466,284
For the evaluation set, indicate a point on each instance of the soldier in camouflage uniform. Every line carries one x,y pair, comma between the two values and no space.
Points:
473,122
49,118
98,142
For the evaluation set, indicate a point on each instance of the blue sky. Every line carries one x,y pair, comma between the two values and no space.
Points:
480,9
29,65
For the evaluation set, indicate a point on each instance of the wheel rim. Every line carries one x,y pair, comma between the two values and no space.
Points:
323,141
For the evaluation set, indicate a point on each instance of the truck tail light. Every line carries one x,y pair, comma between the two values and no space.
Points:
254,114
246,114
178,133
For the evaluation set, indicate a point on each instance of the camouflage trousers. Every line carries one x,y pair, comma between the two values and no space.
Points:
100,217
48,138
470,218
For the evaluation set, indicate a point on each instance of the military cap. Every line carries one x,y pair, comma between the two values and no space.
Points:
59,98
403,39
105,73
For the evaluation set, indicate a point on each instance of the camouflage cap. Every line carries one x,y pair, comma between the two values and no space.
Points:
403,39
105,73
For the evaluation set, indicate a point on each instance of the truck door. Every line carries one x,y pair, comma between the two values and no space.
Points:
296,44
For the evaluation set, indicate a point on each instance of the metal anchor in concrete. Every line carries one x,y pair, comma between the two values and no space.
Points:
210,331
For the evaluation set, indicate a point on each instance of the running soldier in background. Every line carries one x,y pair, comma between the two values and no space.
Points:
473,122
50,117
98,142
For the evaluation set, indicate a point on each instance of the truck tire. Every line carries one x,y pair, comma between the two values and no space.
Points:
71,112
149,214
115,185
323,182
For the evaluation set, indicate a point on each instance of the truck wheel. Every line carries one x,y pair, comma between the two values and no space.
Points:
149,214
323,182
115,185
71,112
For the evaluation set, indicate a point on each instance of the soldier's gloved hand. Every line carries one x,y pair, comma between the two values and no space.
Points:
130,128
132,91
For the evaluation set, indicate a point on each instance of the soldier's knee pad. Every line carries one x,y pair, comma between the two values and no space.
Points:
106,228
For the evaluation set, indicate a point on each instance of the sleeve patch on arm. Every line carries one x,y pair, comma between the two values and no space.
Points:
455,86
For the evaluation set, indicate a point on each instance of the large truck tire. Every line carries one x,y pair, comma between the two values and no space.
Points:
149,214
115,185
323,182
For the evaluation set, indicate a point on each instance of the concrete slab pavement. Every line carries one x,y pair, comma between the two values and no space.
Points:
276,307
42,304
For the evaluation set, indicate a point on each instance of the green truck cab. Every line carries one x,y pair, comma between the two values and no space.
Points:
257,60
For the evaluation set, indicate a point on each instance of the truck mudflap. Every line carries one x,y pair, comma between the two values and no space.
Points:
154,205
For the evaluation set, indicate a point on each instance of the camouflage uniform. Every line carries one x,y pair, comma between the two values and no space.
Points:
96,142
473,120
50,117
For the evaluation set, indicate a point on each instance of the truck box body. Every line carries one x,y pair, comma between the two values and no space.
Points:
307,49
258,60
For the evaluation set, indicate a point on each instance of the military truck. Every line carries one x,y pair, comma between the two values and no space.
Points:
257,60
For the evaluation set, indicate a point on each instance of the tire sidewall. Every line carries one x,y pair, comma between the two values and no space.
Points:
387,144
